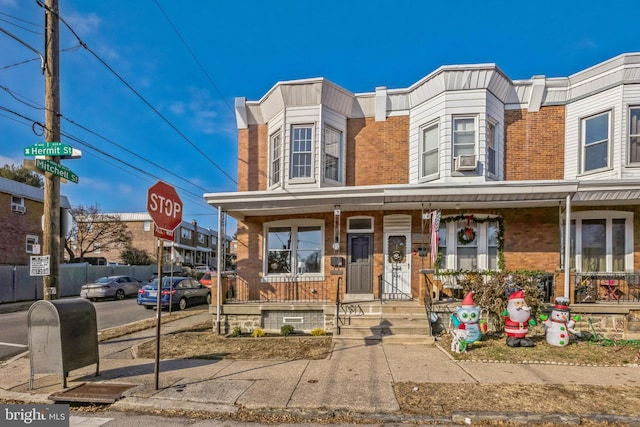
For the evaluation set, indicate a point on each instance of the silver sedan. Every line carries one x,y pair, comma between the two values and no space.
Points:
112,287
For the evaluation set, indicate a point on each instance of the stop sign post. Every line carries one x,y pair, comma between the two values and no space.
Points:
165,207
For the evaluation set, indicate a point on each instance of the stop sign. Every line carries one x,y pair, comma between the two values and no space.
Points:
164,206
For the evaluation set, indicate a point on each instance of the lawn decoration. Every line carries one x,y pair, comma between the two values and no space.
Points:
467,318
458,342
517,321
559,325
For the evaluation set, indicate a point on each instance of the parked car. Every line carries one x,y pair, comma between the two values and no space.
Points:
116,287
205,280
180,292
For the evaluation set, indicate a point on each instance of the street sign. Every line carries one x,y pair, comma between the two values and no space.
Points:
164,234
56,169
40,265
48,149
165,207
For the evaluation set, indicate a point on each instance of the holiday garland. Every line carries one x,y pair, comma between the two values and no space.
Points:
466,235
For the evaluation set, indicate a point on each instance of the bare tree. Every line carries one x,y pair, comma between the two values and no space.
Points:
94,231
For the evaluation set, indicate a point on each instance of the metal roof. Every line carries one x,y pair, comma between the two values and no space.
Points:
26,191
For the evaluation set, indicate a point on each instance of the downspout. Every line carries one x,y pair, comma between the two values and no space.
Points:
567,246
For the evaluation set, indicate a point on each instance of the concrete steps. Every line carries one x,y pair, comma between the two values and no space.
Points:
401,322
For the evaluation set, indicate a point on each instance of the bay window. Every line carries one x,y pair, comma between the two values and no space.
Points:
634,135
464,136
332,150
275,148
301,152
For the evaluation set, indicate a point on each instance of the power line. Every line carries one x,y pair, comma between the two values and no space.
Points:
32,104
194,56
147,103
103,153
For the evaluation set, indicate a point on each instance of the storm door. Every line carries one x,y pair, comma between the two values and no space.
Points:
359,264
397,257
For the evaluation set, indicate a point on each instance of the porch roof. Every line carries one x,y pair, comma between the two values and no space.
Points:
483,195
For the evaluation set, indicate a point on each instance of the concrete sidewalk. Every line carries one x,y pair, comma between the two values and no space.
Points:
357,378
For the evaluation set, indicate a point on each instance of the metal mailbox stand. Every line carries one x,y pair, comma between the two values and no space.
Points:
63,336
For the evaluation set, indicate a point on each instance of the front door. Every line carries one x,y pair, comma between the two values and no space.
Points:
359,264
397,283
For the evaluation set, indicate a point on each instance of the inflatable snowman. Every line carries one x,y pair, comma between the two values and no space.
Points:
559,325
467,318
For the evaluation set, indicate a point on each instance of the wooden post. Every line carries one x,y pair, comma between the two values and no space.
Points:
51,221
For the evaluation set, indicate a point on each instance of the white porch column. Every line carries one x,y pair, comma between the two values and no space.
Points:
567,245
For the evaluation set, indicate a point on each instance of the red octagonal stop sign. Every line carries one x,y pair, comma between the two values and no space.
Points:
165,207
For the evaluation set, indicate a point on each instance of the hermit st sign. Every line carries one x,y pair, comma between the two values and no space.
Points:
56,169
48,149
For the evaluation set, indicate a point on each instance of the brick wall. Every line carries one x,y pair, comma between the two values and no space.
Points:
253,146
14,228
378,152
534,144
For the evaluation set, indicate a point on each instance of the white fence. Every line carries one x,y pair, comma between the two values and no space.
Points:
16,284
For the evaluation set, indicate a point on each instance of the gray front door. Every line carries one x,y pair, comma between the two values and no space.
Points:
359,264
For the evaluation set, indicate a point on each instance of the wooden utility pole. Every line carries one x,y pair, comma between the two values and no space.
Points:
51,221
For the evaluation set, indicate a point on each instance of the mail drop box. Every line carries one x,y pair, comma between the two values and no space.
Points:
63,336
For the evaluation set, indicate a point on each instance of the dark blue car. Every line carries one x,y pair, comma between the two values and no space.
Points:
180,292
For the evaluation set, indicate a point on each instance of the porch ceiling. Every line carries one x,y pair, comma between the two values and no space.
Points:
397,197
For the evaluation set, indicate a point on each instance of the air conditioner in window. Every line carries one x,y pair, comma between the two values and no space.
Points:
466,162
18,208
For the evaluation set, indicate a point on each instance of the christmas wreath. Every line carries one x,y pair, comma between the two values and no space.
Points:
466,235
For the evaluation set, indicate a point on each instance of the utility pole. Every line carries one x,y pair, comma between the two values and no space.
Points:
51,222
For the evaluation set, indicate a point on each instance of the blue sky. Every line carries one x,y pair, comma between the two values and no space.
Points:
244,48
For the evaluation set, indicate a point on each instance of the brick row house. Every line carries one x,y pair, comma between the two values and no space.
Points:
337,191
193,246
21,210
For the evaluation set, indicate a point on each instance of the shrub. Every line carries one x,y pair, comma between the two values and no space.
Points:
286,330
318,332
237,331
258,333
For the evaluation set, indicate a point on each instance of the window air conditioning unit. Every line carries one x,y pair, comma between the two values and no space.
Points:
466,162
18,208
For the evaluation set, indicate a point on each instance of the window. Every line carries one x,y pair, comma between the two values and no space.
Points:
360,224
97,248
201,238
146,226
32,246
634,135
464,136
276,156
301,152
491,148
429,151
601,241
294,249
477,251
185,233
595,142
332,150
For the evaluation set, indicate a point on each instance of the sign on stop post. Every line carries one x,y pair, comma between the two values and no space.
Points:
164,206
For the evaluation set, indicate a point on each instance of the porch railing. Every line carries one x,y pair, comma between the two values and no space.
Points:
606,287
390,291
281,290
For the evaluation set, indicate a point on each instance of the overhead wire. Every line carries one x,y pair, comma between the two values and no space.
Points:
32,104
139,95
80,141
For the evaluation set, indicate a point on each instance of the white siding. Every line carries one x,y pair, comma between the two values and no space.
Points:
631,98
609,100
338,122
495,110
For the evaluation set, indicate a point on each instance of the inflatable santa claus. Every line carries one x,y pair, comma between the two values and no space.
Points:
517,320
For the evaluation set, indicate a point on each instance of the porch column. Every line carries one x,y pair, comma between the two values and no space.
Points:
567,245
219,268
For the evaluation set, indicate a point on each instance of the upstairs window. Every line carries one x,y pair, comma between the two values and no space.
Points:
332,150
491,148
595,142
185,233
32,246
634,135
429,151
276,157
464,136
301,152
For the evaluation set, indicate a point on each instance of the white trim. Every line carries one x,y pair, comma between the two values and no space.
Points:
294,225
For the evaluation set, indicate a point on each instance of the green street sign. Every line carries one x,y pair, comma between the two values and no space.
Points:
48,149
56,169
